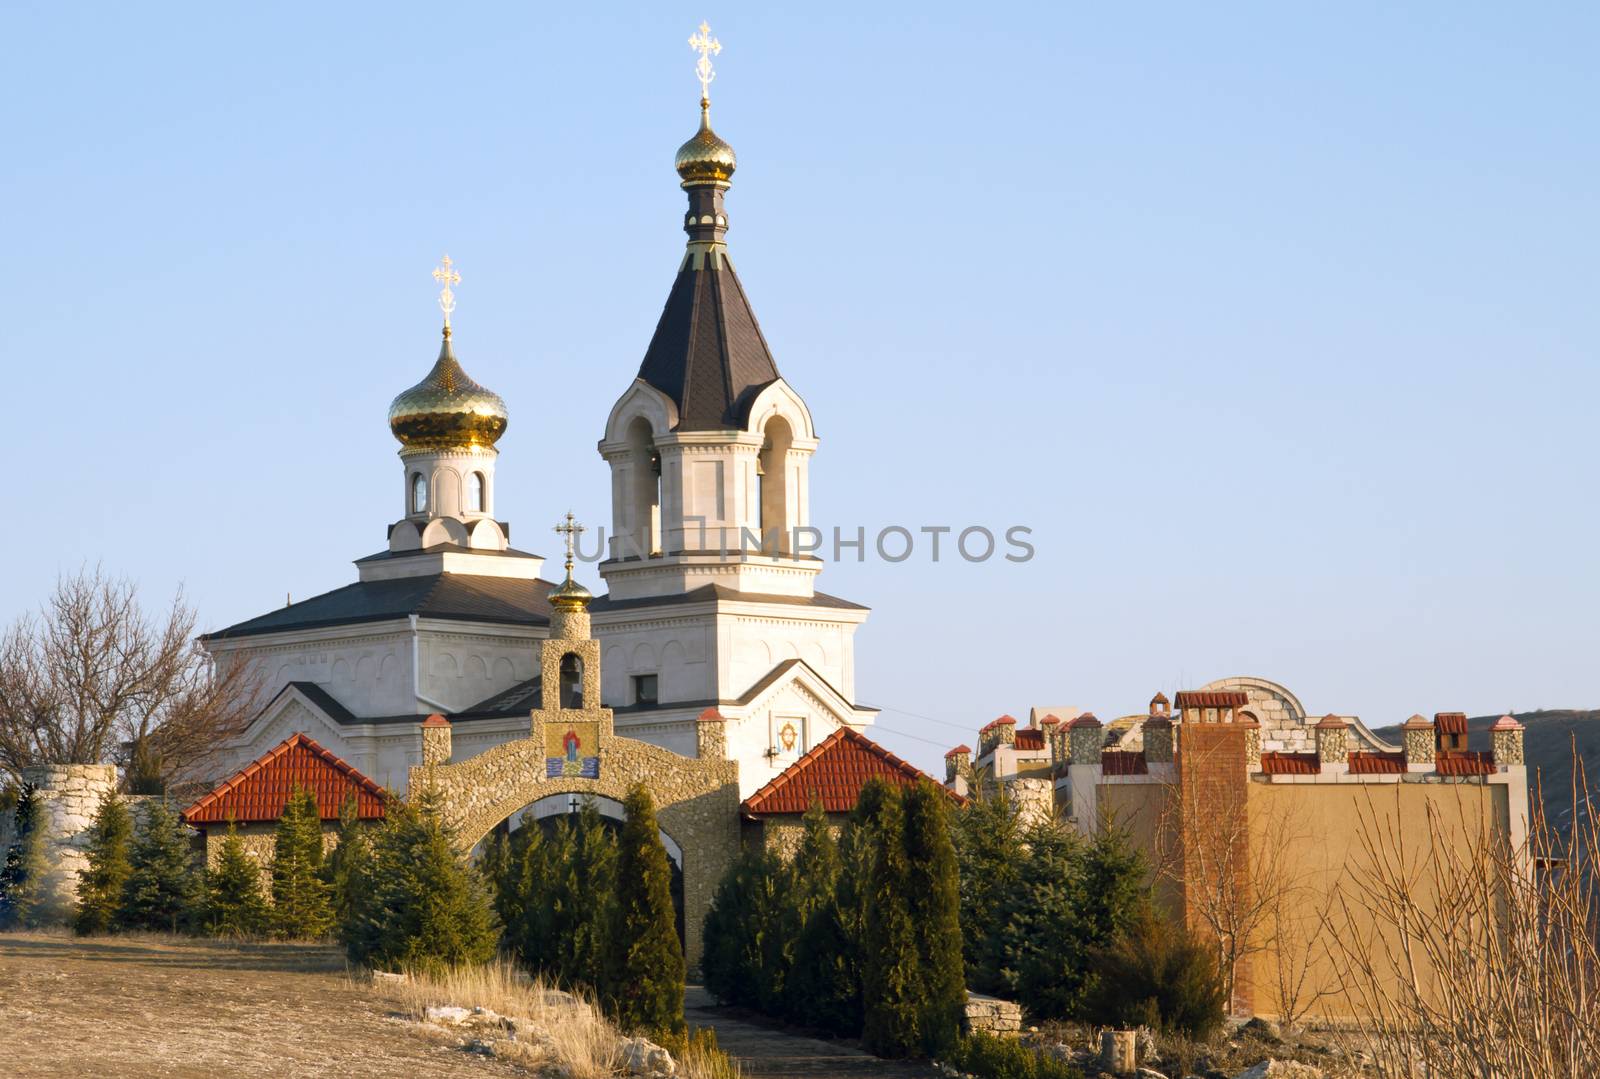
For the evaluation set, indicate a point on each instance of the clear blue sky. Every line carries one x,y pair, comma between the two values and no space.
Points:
1276,322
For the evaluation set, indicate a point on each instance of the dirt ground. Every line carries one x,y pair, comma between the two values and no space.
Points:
153,1006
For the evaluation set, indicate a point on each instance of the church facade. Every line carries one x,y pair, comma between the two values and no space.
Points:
708,606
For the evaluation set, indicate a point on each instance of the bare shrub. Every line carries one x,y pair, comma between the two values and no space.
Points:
1481,958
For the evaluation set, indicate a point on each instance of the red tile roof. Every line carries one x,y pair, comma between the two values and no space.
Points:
1029,738
956,752
259,791
1506,723
1050,721
1086,719
834,771
1465,763
1331,722
1123,762
1371,764
1003,721
1450,722
1291,764
1211,698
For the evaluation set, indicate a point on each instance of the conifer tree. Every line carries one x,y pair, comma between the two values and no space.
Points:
545,884
890,976
235,906
426,908
816,977
643,979
22,878
100,886
745,914
301,909
933,896
162,884
988,837
590,897
344,869
1042,927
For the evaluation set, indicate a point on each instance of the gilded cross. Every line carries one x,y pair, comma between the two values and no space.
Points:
570,530
707,46
446,276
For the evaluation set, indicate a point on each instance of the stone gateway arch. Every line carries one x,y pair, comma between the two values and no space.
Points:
572,748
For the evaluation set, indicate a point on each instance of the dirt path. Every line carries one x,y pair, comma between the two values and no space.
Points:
123,1007
772,1053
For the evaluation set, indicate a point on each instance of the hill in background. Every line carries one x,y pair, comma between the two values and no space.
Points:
1548,745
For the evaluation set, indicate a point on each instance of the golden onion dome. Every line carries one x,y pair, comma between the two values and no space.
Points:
447,410
570,596
705,158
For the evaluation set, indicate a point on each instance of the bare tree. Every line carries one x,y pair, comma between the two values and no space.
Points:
93,678
1479,957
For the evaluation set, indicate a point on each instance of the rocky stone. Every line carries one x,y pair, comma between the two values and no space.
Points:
387,977
1280,1069
991,1015
641,1056
448,1016
1263,1030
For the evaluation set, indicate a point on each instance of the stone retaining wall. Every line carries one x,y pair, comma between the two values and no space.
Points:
991,1015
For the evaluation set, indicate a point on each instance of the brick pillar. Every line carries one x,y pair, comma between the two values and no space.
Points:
1421,748
1333,743
711,735
435,740
1213,823
956,763
1506,739
1252,743
1158,743
1087,739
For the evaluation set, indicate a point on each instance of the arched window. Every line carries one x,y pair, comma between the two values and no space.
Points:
644,500
571,681
475,493
419,493
772,477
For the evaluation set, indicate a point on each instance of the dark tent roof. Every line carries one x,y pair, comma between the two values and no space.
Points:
708,354
451,596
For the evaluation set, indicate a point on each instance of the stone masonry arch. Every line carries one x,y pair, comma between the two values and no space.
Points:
697,799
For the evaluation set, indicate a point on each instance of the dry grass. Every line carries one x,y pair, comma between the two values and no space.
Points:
534,1024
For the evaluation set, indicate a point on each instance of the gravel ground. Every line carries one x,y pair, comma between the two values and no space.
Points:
158,1006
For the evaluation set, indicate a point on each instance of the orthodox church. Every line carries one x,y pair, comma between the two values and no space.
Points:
707,606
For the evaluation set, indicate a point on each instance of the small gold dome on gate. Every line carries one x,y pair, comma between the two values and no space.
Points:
705,158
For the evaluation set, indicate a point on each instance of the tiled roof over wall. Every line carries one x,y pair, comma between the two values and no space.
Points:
834,771
1290,764
1465,763
1377,763
259,791
1123,762
1211,698
1029,738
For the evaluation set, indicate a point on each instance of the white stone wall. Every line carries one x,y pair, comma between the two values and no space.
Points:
69,798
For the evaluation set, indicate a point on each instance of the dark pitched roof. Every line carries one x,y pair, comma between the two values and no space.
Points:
708,354
452,596
833,772
323,700
259,791
516,700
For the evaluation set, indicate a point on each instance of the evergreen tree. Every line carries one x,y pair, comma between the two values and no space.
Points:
589,896
820,987
301,909
891,987
22,878
933,898
162,884
739,928
235,906
345,868
643,979
100,886
425,908
988,837
546,885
